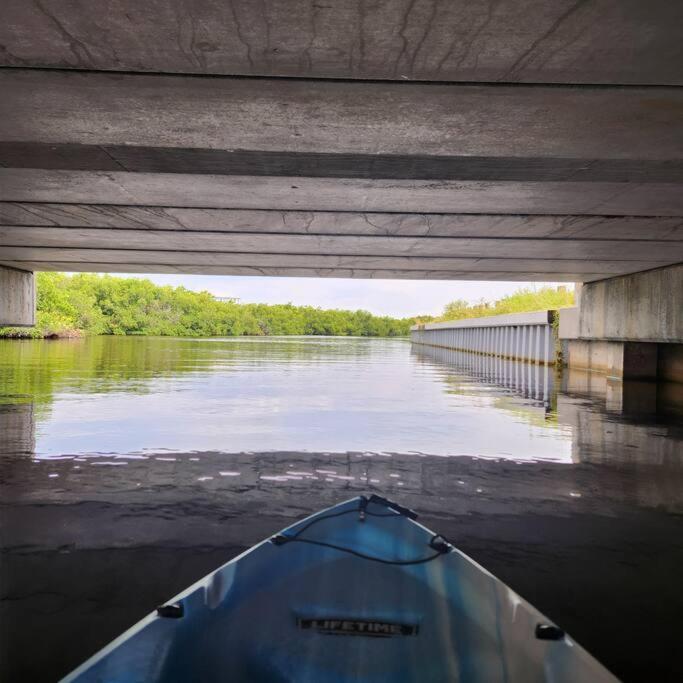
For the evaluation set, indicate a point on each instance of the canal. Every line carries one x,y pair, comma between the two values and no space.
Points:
129,467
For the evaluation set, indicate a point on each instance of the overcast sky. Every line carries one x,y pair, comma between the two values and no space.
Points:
400,298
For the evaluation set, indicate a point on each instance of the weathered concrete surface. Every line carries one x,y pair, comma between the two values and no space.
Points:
137,139
624,360
339,194
208,264
568,327
131,111
629,327
202,161
17,298
342,222
642,307
161,254
649,251
595,41
615,359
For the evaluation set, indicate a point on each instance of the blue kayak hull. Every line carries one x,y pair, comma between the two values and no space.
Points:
339,598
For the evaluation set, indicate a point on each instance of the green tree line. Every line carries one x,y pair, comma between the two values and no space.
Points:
88,304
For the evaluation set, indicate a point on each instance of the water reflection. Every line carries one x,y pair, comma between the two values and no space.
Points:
321,394
529,380
131,467
610,421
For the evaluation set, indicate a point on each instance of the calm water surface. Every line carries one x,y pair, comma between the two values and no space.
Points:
130,467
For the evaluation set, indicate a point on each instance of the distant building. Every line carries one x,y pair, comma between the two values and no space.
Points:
227,299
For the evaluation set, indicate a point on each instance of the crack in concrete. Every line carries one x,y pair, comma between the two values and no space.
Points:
526,55
240,35
78,48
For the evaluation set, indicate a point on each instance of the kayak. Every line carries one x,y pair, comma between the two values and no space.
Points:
358,592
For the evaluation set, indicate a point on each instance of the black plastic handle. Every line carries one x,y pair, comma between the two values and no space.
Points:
406,512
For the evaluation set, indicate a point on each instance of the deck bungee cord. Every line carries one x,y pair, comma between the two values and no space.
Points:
438,542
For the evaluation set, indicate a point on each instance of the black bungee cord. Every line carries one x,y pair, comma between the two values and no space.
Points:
438,542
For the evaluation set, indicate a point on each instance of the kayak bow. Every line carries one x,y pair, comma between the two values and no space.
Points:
358,592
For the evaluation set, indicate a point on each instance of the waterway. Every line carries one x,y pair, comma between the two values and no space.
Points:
130,467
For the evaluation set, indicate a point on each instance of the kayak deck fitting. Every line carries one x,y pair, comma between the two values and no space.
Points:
358,592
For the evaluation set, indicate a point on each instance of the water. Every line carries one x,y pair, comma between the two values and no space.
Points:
130,467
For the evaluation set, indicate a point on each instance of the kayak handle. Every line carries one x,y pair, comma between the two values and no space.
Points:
173,611
441,544
379,500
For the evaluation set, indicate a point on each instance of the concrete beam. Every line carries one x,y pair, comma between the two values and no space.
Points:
595,41
17,298
273,258
146,159
339,194
136,115
642,251
207,266
615,228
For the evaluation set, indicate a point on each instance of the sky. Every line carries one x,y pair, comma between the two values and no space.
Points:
398,298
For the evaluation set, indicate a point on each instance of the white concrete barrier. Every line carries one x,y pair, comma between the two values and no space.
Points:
518,336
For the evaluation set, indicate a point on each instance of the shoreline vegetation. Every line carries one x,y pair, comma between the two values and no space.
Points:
87,304
523,300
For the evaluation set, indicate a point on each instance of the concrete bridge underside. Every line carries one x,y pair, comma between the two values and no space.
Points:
529,140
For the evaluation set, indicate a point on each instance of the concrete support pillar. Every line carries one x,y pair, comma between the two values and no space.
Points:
628,327
670,362
619,360
17,298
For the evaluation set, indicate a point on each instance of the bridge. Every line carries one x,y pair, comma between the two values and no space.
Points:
531,140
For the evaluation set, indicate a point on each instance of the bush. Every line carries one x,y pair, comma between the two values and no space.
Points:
522,301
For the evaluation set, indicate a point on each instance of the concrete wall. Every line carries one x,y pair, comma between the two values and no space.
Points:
569,322
532,318
618,360
640,307
670,362
517,336
17,298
